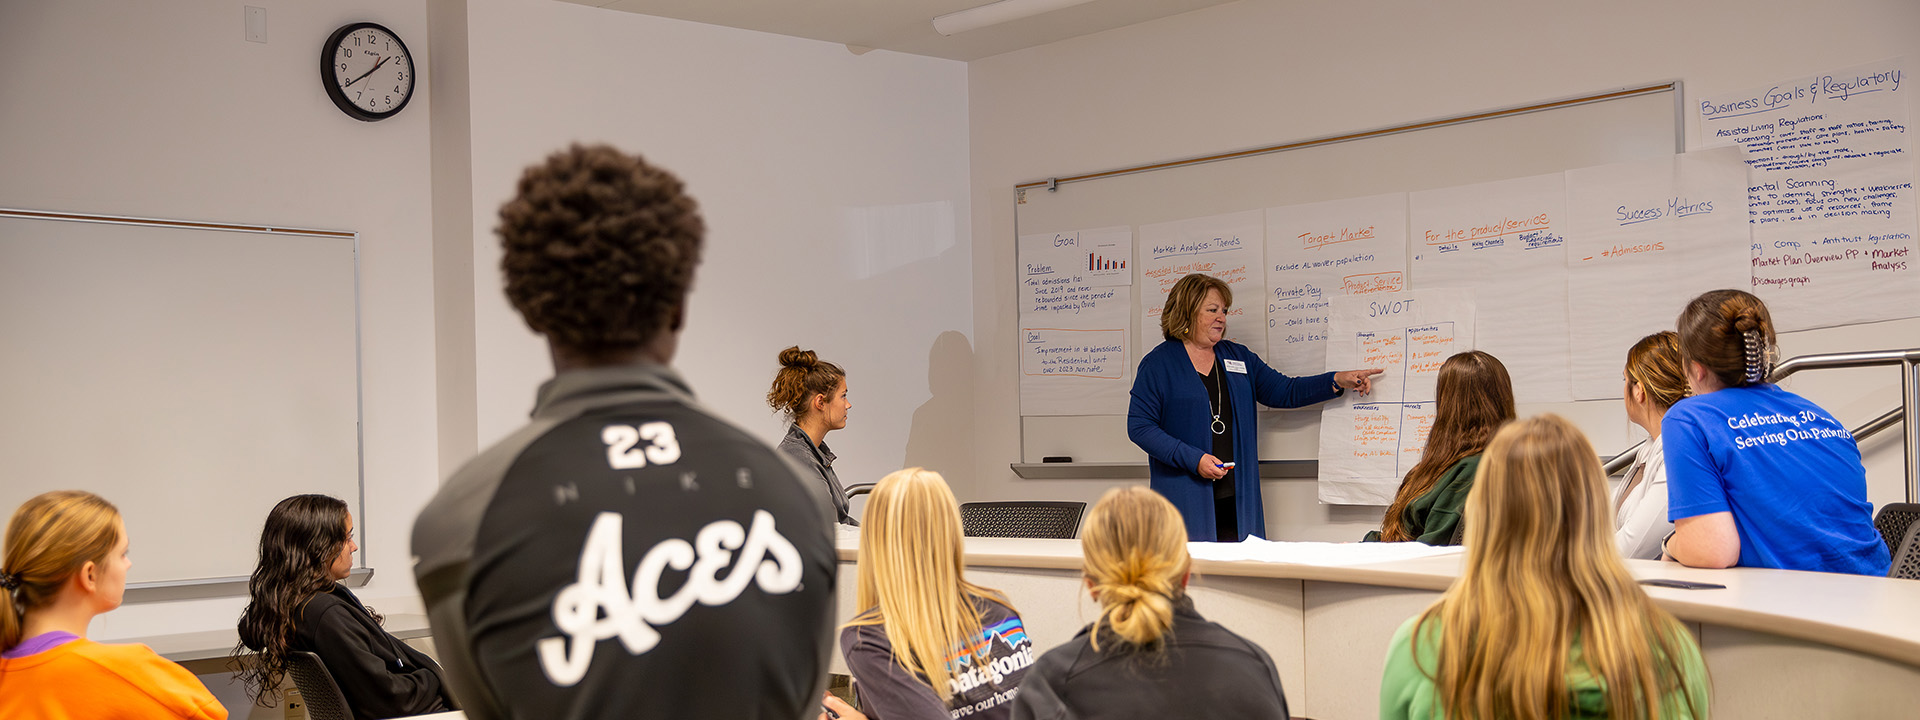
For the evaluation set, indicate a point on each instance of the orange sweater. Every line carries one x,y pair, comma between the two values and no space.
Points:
85,680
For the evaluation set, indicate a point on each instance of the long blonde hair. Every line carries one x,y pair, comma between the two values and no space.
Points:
51,537
911,577
1135,549
1541,573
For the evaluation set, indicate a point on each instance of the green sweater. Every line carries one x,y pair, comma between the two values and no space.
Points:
1407,693
1433,517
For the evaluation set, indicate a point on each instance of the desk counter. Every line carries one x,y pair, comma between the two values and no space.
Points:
1778,643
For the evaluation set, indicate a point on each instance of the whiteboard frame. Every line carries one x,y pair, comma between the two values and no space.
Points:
1052,184
232,586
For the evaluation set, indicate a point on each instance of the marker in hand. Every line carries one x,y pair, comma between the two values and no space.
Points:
1224,466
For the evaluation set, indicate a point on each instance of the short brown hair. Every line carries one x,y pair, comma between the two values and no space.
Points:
1730,333
599,249
1183,302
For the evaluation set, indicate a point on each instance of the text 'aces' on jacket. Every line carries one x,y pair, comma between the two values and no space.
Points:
629,554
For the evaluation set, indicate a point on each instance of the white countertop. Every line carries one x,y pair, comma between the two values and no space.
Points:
1872,615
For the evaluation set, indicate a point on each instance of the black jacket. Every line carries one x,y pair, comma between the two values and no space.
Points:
381,676
1200,670
629,555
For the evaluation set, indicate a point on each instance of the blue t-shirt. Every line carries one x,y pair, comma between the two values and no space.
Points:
1789,473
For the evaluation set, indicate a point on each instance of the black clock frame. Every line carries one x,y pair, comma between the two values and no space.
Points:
329,80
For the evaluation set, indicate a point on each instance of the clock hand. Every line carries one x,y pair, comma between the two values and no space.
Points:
370,71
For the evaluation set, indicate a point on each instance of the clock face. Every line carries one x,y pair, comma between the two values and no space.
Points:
368,71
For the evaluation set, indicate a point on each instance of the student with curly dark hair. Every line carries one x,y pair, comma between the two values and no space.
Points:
298,604
812,393
626,554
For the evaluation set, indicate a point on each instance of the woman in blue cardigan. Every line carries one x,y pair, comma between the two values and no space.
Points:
1193,412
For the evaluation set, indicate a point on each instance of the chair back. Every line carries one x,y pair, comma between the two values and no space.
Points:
1906,556
1892,521
323,696
1043,520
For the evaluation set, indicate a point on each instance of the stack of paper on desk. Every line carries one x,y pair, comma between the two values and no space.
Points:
1314,553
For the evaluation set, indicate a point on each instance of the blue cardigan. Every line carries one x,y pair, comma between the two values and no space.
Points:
1170,418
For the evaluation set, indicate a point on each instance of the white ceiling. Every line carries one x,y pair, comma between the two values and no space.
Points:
906,25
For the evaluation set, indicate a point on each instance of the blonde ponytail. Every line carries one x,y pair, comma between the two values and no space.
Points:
49,539
1135,549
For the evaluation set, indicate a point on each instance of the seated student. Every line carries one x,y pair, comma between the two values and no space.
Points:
1150,655
1654,382
65,562
627,554
1473,397
298,604
1544,620
812,393
1758,476
929,644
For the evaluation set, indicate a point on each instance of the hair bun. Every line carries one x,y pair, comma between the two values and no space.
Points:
1123,594
794,357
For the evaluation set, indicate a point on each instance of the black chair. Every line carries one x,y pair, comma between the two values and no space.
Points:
1892,521
323,697
1044,520
1906,556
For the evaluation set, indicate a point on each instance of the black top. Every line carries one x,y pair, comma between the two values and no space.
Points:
818,459
1221,405
381,676
630,555
1200,671
978,690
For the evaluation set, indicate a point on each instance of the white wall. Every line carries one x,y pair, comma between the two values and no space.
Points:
1258,72
834,189
164,110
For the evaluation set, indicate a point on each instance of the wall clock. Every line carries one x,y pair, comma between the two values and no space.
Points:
367,71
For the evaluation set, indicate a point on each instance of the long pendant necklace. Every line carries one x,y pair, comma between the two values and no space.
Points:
1219,385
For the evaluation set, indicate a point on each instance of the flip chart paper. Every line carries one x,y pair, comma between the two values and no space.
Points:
1643,239
1224,246
1314,252
1830,196
1506,241
1075,302
1367,443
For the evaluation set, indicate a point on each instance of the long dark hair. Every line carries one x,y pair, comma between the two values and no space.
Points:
303,535
1473,397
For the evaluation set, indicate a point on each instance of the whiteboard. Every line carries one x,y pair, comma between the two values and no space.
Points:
1616,130
194,374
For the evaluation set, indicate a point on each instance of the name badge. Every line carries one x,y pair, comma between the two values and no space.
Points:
1235,366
